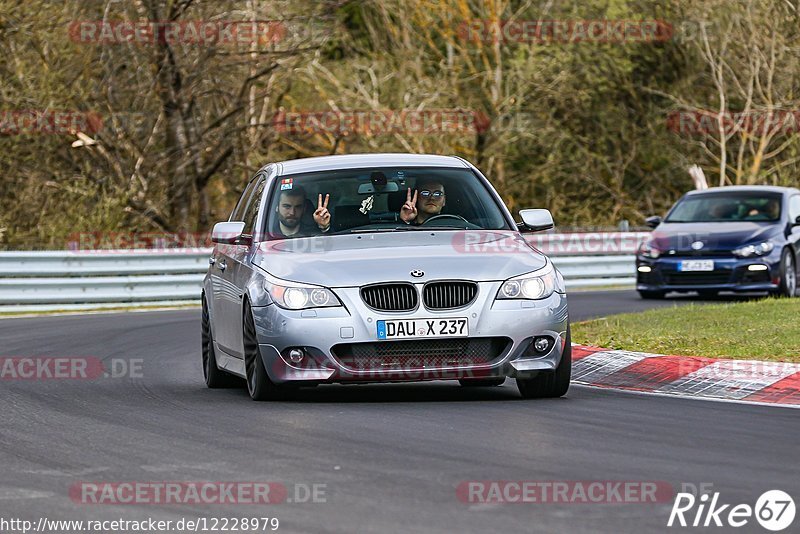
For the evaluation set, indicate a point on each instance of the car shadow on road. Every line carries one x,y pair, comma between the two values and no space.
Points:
435,391
722,297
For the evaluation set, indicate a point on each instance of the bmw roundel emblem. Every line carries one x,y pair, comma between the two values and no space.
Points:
416,273
697,245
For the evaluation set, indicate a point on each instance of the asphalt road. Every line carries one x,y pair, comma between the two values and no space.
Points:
389,456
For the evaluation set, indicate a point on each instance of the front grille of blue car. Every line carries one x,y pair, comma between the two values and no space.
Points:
697,278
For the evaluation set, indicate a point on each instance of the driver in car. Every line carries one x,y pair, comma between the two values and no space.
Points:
427,202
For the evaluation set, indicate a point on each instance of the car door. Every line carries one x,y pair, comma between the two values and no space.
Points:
237,272
226,298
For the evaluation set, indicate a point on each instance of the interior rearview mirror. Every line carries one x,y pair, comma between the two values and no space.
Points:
228,233
369,189
536,220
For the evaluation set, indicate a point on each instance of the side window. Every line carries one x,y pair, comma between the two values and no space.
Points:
794,208
252,208
238,211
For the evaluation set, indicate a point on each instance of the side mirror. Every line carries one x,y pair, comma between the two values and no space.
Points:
228,233
796,221
652,222
535,220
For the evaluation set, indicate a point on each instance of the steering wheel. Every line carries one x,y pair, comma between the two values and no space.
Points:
446,216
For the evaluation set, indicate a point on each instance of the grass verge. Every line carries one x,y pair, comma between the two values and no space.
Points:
767,329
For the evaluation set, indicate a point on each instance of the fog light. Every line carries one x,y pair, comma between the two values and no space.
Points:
541,344
757,268
296,355
645,269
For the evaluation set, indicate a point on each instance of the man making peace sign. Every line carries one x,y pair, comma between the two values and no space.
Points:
427,202
291,208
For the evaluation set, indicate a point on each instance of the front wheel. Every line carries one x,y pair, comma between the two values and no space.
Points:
214,377
259,385
550,384
788,285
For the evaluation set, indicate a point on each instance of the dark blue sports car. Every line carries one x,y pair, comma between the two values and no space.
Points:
738,238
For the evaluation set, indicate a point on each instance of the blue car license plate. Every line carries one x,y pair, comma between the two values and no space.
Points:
696,265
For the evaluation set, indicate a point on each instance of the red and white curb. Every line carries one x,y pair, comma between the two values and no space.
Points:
774,383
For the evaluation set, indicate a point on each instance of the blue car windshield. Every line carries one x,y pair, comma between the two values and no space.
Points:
727,207
381,199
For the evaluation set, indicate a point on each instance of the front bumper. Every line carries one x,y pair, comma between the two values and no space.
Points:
729,274
332,338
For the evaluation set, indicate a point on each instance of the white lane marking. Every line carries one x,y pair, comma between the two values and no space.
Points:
687,396
166,468
731,379
598,365
65,473
8,494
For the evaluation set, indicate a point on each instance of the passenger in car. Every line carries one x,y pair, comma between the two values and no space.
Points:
292,205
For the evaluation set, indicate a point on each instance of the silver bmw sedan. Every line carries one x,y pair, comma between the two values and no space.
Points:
381,268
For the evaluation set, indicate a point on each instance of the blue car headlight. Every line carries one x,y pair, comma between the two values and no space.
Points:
293,296
532,286
757,249
648,250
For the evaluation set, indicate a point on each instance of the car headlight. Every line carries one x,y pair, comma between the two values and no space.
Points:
648,250
300,297
533,286
758,249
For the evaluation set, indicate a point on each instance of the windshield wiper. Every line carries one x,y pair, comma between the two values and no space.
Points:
423,227
370,230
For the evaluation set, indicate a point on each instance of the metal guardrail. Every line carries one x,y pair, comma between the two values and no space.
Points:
31,281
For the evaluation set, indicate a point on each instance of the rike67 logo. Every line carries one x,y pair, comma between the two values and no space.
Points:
774,510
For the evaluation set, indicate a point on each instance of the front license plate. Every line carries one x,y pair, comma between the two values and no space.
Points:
406,328
696,265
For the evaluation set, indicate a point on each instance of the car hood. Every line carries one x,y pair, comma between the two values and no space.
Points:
714,236
359,259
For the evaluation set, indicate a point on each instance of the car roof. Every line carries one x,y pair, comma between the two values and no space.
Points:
355,161
744,189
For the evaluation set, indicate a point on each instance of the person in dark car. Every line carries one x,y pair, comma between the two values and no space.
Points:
769,212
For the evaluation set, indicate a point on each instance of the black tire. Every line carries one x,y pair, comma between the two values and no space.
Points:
259,385
550,384
788,285
652,295
482,382
215,377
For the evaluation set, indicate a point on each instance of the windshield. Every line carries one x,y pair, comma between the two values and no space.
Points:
384,199
727,207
